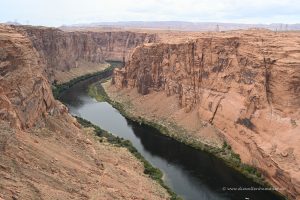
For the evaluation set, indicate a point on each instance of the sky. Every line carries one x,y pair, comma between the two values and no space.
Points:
66,12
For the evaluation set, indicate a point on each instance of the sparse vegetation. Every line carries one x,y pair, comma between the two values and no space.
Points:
153,172
57,89
99,94
225,153
293,122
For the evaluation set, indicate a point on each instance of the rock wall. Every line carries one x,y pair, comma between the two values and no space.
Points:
65,50
25,94
246,84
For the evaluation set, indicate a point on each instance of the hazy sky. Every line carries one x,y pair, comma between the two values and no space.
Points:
58,12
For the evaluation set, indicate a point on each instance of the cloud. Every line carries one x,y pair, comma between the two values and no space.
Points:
58,12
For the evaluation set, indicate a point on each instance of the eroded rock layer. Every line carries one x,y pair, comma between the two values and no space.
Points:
247,84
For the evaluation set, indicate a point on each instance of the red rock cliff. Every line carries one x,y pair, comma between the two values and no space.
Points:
246,84
64,50
25,93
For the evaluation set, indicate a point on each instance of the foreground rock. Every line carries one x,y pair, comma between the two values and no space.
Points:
238,87
45,154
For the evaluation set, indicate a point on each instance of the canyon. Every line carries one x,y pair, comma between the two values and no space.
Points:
45,152
241,88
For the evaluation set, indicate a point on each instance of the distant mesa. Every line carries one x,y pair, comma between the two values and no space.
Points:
12,23
185,26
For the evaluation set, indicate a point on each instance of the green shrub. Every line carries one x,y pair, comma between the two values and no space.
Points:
293,122
57,89
153,172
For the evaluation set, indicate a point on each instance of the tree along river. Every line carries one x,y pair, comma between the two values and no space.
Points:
190,173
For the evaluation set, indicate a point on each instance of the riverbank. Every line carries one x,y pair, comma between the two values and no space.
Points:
83,68
173,130
152,172
58,89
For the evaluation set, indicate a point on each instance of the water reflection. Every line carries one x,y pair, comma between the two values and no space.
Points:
190,173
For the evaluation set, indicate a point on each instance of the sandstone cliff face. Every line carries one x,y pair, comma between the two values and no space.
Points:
246,84
45,153
25,94
65,50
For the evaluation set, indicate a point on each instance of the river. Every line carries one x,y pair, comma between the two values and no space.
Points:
192,174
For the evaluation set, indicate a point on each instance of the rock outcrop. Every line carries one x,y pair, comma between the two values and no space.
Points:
246,84
25,94
66,50
45,153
